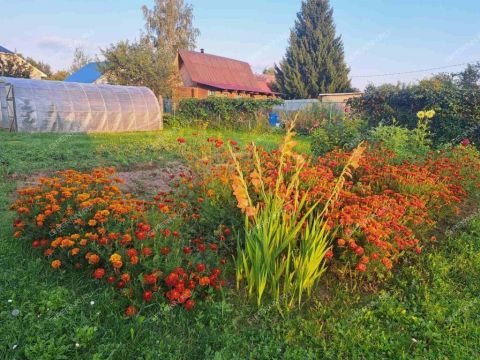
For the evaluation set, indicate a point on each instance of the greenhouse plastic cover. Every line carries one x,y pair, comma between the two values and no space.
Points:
56,106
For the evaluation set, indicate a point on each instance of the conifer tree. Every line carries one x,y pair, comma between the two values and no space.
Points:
314,62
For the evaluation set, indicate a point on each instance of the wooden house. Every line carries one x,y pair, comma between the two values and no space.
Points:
202,75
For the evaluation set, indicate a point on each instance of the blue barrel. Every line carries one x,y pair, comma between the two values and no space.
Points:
274,119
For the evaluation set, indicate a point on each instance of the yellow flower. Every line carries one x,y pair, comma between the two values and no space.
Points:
115,258
421,115
430,114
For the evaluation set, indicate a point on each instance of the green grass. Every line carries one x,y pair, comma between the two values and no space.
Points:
429,310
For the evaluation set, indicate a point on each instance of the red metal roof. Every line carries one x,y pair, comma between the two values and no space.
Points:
265,81
220,72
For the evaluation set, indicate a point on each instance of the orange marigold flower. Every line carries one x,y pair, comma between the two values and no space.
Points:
56,264
93,259
204,281
92,222
130,311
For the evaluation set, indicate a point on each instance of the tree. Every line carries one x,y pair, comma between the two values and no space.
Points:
40,65
80,59
138,63
268,71
149,61
470,77
59,75
12,67
169,25
314,62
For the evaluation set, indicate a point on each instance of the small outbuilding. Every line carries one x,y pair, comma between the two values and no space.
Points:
56,106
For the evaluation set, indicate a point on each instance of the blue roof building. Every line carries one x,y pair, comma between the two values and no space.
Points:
89,74
5,51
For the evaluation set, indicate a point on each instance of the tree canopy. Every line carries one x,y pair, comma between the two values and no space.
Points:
314,62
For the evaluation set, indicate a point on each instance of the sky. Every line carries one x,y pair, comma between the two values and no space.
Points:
379,36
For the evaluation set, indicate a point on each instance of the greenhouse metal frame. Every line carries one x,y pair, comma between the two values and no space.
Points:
55,106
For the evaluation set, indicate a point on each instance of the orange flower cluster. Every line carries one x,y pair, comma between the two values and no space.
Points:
384,210
85,221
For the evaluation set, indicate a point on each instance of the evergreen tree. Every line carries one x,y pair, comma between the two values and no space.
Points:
314,62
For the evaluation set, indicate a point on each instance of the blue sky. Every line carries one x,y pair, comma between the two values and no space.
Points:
380,36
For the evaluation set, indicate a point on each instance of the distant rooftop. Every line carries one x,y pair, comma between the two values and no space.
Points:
86,75
5,51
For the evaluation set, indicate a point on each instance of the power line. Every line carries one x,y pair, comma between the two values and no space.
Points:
412,72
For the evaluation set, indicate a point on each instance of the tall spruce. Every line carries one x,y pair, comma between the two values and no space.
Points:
314,62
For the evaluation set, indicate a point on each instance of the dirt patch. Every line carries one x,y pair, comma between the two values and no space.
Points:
140,180
146,179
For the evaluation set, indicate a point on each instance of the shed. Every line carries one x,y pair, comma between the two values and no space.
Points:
56,106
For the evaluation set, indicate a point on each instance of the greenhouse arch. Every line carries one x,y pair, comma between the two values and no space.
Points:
55,106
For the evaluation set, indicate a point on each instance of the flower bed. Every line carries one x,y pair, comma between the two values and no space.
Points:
145,249
172,248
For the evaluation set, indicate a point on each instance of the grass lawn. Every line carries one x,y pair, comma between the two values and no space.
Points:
429,310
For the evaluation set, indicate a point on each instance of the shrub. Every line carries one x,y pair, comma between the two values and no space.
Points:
226,113
454,97
343,133
312,117
407,144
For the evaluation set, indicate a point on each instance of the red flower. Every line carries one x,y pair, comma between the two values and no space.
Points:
130,311
359,251
36,244
329,254
140,235
187,249
465,142
181,140
149,279
201,267
111,280
99,273
172,295
362,267
189,304
165,250
147,296
121,284
387,263
201,247
171,279
131,252
147,251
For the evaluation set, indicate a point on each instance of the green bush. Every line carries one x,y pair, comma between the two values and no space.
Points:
226,113
405,143
310,118
454,97
339,132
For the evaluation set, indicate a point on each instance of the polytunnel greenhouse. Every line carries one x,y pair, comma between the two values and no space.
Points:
55,106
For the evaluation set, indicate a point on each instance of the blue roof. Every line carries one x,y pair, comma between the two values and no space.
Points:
86,75
4,50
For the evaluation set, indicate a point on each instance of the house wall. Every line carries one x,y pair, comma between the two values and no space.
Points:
34,72
340,98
